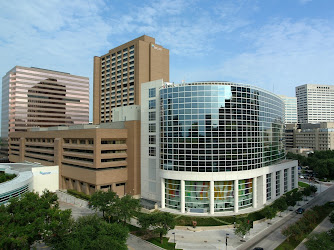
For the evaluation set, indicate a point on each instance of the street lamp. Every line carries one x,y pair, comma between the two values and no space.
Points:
226,239
174,239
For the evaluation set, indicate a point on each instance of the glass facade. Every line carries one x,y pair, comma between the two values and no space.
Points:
172,194
285,180
218,127
293,169
197,194
245,195
34,97
224,196
278,183
268,186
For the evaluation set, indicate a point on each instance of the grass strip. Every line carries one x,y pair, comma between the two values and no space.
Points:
165,244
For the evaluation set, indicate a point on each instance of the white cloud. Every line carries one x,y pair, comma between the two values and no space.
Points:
185,27
57,35
285,54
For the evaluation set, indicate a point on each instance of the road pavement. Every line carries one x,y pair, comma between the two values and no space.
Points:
272,237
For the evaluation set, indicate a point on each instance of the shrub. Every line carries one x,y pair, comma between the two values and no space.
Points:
79,195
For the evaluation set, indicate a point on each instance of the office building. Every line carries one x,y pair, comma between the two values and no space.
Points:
318,136
290,104
119,73
90,157
211,147
34,97
315,103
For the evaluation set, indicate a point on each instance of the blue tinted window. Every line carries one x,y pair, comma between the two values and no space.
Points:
151,93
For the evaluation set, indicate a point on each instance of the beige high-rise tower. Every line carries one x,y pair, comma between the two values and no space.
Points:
119,73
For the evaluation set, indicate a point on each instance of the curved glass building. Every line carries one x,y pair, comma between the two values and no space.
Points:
219,146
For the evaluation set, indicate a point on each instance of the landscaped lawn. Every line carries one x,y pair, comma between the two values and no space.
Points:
302,184
165,244
6,177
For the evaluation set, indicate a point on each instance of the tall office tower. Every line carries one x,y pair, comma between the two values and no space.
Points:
34,97
212,147
290,108
315,103
119,73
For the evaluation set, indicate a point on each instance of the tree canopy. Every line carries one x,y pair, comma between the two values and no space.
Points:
30,218
158,222
242,228
321,162
91,232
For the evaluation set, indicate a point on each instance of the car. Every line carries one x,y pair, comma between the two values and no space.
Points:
258,248
300,210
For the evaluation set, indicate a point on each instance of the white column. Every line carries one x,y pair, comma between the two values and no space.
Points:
282,181
296,176
183,197
255,192
212,197
289,179
273,185
236,196
162,192
264,189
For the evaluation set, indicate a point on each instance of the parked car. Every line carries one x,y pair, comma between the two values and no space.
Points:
300,210
258,248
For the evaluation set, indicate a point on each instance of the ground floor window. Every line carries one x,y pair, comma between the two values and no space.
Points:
224,196
268,186
245,194
197,194
293,177
172,194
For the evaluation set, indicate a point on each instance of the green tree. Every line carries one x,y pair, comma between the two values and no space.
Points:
124,208
103,201
280,204
91,232
319,241
30,218
313,189
269,212
242,228
290,199
307,191
158,222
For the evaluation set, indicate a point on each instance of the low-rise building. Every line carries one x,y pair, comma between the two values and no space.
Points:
312,136
90,157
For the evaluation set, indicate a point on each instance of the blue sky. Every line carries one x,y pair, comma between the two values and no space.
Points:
273,44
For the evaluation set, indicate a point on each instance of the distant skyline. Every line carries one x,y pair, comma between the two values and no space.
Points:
275,44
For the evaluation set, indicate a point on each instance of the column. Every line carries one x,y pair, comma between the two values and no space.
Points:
282,181
255,192
212,197
236,196
273,185
162,181
183,197
296,176
289,179
264,189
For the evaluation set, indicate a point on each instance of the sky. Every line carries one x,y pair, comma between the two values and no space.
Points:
273,44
